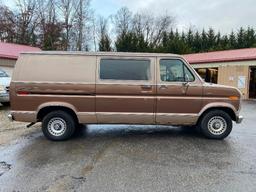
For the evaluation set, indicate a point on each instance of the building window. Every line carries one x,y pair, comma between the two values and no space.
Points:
125,69
210,75
252,86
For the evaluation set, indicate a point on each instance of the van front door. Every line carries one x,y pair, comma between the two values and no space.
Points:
125,90
173,83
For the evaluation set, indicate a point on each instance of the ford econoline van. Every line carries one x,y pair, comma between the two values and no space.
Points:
65,89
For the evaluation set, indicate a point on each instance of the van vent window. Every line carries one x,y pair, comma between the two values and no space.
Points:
124,69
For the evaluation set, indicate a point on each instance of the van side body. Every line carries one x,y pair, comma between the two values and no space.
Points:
80,84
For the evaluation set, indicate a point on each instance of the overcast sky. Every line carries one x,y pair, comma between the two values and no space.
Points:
222,15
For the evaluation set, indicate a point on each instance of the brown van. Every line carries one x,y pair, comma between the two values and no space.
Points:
65,89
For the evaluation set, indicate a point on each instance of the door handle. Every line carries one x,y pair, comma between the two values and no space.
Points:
163,87
146,86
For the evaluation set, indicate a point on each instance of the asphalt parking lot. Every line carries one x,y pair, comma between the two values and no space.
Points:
128,158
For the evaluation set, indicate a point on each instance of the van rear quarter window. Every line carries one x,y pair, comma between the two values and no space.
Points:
124,69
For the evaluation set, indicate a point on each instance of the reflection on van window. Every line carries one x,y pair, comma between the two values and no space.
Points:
3,74
188,75
174,71
124,69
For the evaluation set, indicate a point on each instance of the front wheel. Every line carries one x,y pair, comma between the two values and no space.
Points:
58,125
215,124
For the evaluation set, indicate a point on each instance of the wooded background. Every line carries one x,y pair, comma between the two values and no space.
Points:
73,25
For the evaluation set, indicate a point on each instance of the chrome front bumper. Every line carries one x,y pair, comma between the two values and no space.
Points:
239,119
10,117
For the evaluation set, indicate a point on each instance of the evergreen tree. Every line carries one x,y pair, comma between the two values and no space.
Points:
164,44
131,42
197,43
232,40
218,42
105,43
241,39
224,43
190,38
204,47
211,40
250,37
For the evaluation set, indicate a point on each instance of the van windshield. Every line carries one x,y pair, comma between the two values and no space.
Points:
3,74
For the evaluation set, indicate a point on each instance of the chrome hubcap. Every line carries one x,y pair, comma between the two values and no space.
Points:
217,125
57,126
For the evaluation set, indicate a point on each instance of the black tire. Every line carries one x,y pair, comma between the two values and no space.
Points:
62,121
5,103
215,124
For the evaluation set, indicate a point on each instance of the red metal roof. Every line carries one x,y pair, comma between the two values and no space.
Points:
222,56
12,51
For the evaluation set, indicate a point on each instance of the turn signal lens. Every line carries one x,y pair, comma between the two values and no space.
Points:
233,98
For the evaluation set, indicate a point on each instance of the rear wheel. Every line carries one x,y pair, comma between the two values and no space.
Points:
216,124
58,125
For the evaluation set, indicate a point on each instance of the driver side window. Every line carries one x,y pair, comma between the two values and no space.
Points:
174,70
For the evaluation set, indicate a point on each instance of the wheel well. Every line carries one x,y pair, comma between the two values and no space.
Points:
229,111
44,111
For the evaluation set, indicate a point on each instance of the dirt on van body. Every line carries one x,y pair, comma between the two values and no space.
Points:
128,158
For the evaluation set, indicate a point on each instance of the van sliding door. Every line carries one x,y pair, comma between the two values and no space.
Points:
125,90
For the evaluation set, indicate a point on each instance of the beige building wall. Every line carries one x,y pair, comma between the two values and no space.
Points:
234,76
229,73
7,65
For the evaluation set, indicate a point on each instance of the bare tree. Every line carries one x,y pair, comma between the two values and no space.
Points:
27,21
162,24
67,11
19,25
76,16
82,24
122,20
142,28
152,27
94,32
50,29
7,24
47,11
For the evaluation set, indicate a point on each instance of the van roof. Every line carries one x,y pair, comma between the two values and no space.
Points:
102,53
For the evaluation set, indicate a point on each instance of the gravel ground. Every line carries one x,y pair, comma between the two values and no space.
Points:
128,158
